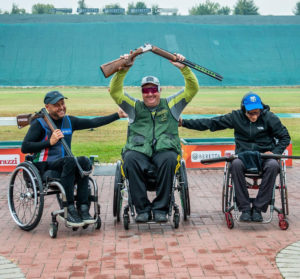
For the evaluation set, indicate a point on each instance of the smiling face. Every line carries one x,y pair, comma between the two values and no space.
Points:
58,110
151,95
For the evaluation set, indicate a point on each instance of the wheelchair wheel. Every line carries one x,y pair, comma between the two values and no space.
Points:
25,196
98,223
225,189
117,202
53,230
184,191
229,220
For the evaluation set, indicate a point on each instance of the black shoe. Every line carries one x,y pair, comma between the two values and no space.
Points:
245,216
143,217
160,217
256,215
73,219
83,211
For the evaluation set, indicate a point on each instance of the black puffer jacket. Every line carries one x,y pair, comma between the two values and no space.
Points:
266,134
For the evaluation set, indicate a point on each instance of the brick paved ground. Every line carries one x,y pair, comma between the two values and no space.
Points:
202,247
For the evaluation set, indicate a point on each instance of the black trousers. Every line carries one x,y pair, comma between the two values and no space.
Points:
66,170
270,168
135,166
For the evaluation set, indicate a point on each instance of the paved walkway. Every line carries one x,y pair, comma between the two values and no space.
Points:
202,247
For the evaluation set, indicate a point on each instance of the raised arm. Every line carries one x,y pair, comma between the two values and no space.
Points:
178,101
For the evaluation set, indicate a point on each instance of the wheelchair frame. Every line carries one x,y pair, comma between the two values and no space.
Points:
229,203
27,191
122,192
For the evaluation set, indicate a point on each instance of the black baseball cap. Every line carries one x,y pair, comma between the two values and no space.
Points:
53,97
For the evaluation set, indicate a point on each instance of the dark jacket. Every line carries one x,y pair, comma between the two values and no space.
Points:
266,134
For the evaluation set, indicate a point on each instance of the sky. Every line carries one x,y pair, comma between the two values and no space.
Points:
266,7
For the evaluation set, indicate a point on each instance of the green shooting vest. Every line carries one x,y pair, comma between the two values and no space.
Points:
149,134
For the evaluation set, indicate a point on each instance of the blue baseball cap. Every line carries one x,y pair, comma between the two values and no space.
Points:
252,101
53,97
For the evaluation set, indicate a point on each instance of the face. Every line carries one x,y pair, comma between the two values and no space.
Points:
253,114
151,98
58,110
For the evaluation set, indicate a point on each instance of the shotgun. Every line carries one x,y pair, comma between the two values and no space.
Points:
232,157
111,67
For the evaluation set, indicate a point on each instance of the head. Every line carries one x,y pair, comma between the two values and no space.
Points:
151,91
252,106
55,104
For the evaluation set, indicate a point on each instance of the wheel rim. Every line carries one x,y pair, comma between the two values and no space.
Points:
23,197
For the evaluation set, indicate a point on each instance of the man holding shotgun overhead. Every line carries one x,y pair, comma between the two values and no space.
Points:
50,158
152,137
256,129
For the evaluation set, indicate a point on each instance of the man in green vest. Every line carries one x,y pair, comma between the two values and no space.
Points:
152,140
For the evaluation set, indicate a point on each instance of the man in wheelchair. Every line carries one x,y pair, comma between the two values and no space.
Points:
153,141
256,128
50,157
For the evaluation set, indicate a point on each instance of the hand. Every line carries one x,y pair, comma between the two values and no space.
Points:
180,122
122,113
128,61
56,136
268,152
179,58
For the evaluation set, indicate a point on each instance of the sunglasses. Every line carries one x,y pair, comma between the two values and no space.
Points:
148,90
253,113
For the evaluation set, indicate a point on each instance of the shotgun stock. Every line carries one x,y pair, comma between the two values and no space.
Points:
113,66
25,119
232,157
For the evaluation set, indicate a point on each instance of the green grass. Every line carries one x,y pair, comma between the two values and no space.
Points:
107,141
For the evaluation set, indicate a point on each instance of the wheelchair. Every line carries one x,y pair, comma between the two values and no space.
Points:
229,202
26,195
122,193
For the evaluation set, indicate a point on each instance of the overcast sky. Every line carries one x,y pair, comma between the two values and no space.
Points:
266,7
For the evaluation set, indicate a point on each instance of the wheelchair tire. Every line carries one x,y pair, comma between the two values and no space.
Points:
25,192
126,221
117,202
184,191
176,220
98,223
53,230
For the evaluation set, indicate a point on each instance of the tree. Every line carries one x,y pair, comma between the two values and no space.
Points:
224,11
15,10
138,5
208,8
113,6
297,9
245,7
155,10
42,8
81,4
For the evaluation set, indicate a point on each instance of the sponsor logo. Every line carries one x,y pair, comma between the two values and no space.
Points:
260,128
196,156
9,160
253,99
228,153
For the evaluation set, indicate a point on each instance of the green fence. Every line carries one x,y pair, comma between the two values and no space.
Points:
68,50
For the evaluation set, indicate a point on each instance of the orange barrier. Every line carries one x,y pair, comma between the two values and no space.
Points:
10,155
195,149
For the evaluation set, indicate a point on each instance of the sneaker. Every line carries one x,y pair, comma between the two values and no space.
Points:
73,219
143,217
245,216
160,217
83,211
256,215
